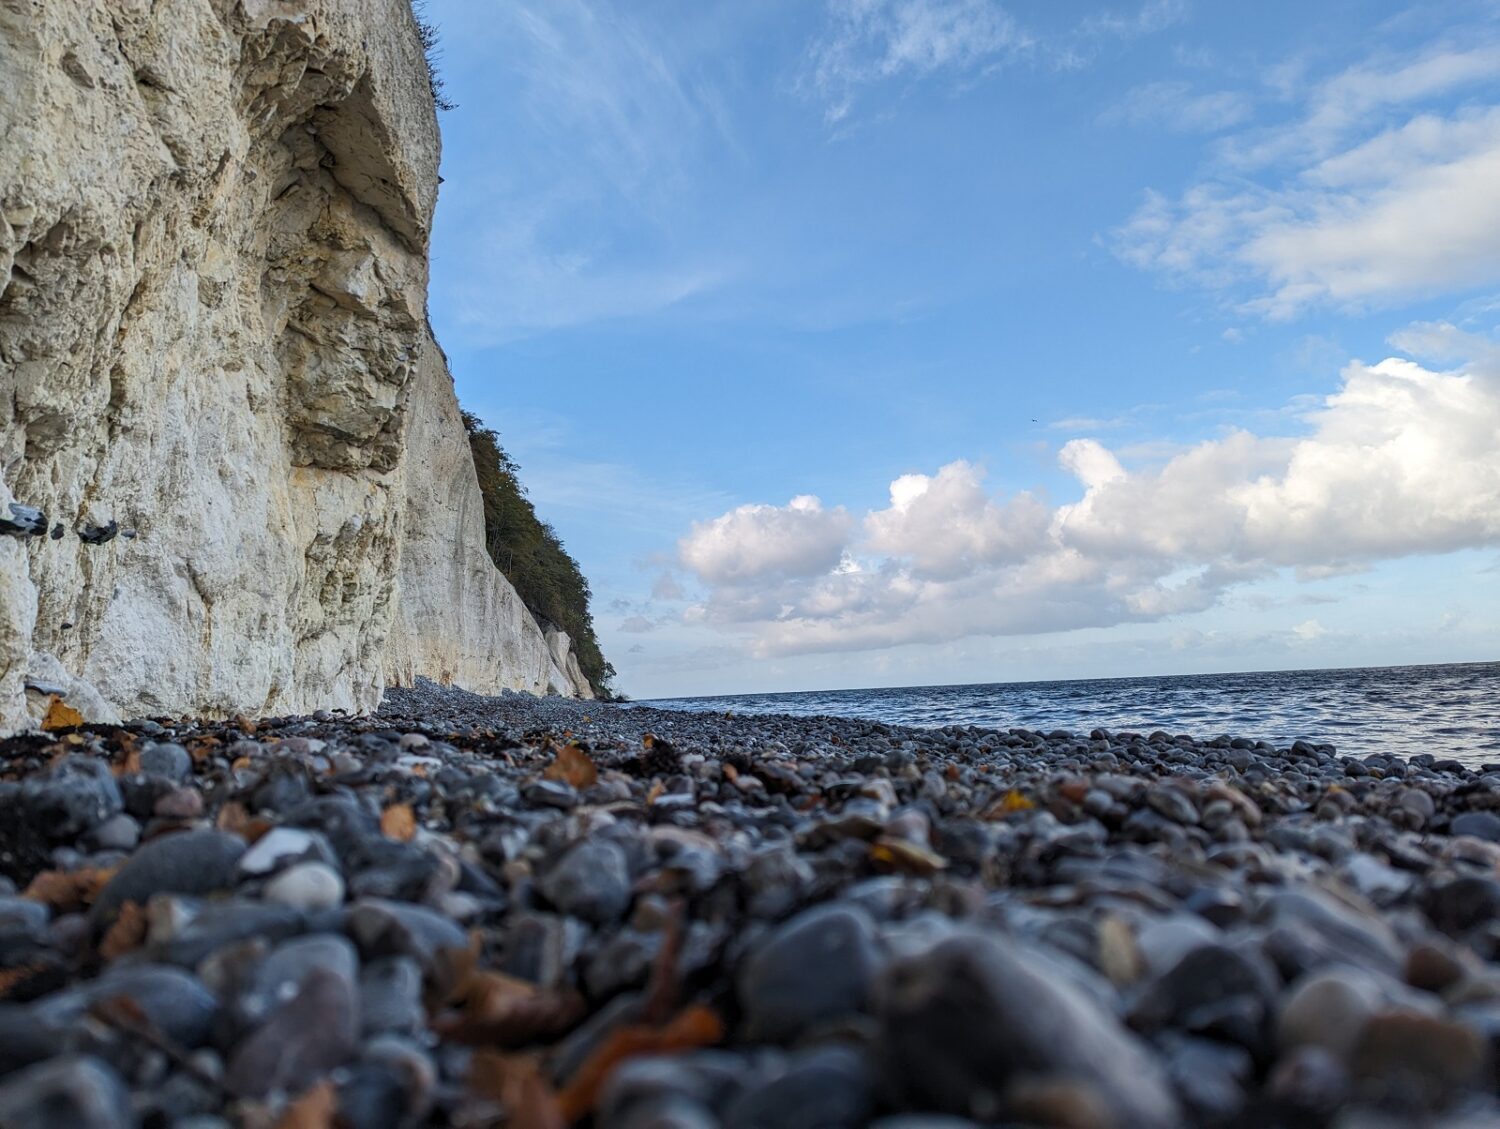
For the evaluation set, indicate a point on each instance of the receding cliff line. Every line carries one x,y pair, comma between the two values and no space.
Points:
213,333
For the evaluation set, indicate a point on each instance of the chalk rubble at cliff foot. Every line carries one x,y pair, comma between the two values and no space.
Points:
217,380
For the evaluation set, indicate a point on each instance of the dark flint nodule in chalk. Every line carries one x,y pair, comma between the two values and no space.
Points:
24,521
99,534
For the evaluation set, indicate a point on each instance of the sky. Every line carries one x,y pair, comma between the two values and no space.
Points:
908,342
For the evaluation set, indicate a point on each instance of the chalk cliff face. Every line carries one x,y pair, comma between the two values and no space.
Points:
213,230
458,619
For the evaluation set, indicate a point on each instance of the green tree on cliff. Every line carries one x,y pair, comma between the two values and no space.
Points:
527,550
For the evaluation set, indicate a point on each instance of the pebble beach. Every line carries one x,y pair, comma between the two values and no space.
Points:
523,911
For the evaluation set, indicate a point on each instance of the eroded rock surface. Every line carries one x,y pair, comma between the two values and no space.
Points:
213,233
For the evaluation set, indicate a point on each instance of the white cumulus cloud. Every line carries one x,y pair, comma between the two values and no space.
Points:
760,542
1401,460
946,525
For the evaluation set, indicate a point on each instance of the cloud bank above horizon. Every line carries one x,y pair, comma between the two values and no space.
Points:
1400,460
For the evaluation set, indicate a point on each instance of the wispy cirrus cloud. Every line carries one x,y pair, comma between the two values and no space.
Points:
868,42
614,118
1177,106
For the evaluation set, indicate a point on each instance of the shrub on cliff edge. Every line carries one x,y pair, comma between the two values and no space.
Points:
527,550
427,32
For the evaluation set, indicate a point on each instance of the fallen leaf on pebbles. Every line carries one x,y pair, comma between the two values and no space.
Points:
1008,804
506,1012
67,891
12,978
905,857
60,715
495,1009
313,1110
127,933
398,822
573,767
518,1084
697,1026
235,819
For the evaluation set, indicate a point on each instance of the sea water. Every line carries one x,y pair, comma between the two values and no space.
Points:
1451,710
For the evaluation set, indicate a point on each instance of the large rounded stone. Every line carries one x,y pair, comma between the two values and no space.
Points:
190,862
173,1001
591,880
1480,824
79,1092
1328,1009
819,966
77,794
312,1033
383,928
826,1088
168,760
985,1029
1213,990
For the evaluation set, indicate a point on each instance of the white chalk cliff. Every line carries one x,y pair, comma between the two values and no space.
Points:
214,219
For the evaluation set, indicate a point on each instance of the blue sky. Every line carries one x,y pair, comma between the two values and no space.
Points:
887,342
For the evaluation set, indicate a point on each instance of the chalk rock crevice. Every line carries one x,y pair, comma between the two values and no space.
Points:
213,227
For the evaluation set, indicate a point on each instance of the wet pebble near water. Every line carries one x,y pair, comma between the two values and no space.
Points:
474,911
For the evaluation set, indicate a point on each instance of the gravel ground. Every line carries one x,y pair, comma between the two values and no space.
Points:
533,912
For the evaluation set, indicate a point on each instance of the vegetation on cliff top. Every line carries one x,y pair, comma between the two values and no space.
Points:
527,550
427,32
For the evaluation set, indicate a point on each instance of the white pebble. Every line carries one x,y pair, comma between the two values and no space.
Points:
275,849
306,886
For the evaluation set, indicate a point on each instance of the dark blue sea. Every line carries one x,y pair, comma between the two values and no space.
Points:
1450,711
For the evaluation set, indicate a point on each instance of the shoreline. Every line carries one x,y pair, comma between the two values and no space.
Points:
1437,708
463,908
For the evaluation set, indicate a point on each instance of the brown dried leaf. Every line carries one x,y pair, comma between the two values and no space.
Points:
654,793
891,853
233,817
517,1082
506,1012
315,1109
663,989
398,822
1008,804
449,983
697,1026
10,977
69,890
130,765
124,1012
572,766
127,933
1073,790
60,715
201,748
